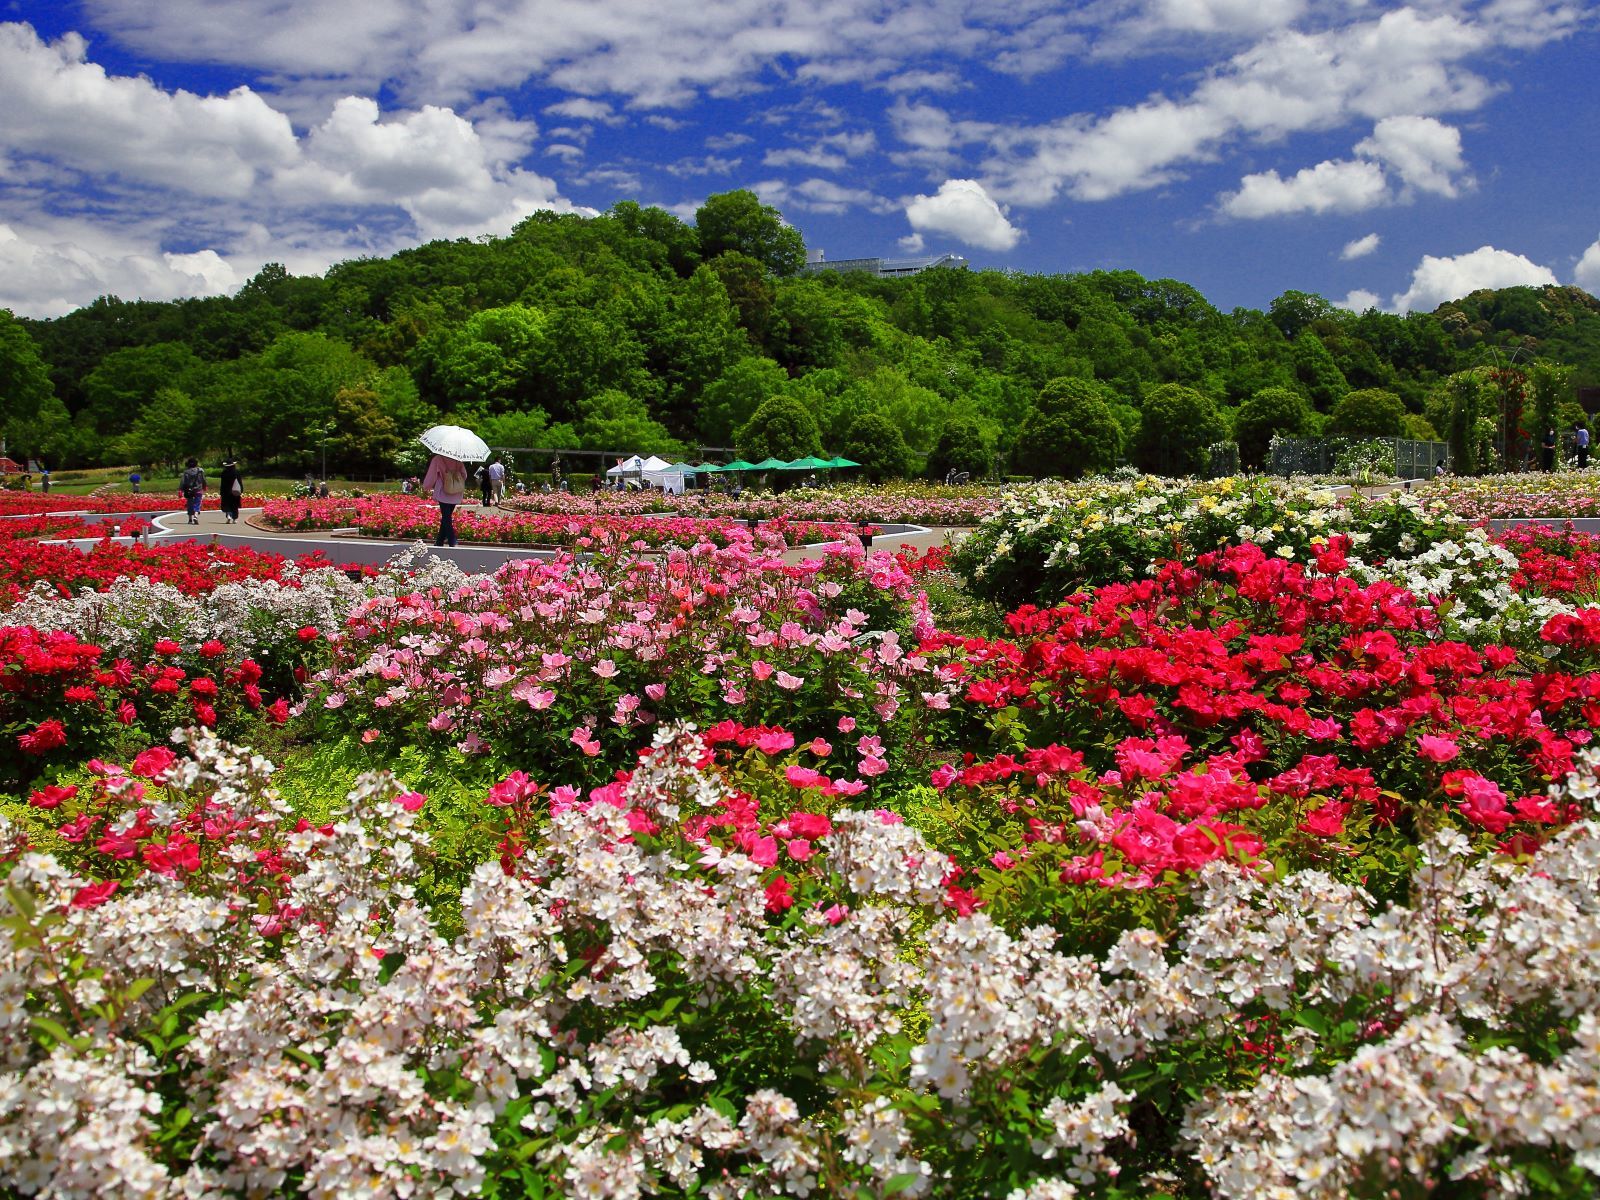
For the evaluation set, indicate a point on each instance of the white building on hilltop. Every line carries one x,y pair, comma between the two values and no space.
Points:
885,268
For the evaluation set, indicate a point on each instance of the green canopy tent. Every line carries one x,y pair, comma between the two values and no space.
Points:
739,464
809,463
681,468
840,461
770,464
710,468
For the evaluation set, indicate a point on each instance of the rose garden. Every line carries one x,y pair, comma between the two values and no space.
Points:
1157,839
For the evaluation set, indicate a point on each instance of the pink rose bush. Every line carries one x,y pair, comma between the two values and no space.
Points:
415,517
598,653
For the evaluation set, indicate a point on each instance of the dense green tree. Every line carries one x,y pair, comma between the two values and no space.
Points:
782,427
690,336
365,436
738,222
1270,412
877,444
1179,425
528,430
1073,430
1295,312
128,379
614,421
1367,412
166,431
25,387
732,399
917,412
963,447
1319,376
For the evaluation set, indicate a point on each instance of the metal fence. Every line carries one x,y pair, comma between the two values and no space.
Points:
1320,456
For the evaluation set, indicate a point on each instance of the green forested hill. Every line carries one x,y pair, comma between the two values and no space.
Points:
635,330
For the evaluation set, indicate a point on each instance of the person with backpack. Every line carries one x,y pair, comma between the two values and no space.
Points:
192,487
231,484
446,482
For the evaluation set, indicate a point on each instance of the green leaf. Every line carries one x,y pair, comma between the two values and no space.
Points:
900,1183
54,1029
21,900
1311,1019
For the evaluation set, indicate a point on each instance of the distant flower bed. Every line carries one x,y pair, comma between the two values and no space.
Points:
15,503
190,567
412,518
900,503
1498,497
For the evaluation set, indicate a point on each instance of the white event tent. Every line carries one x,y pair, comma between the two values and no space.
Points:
653,471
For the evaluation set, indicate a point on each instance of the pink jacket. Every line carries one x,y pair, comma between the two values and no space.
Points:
446,480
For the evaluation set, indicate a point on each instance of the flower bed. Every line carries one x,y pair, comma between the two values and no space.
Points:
17,503
1246,709
1496,497
547,655
413,518
660,989
895,503
1246,875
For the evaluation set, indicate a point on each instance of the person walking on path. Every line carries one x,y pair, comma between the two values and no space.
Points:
497,481
484,486
134,479
1580,439
1547,450
446,482
231,485
192,487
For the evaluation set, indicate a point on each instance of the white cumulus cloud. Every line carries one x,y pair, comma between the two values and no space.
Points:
1358,301
1327,187
962,209
1360,248
1438,279
1587,273
1425,153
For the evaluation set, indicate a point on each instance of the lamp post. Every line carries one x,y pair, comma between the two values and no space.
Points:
325,430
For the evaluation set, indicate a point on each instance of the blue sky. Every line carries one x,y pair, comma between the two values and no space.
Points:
1384,154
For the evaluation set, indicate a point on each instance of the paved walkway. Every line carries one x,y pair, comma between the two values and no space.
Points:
475,559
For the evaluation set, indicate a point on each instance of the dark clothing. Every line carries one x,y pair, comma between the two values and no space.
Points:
226,484
447,525
1547,451
192,486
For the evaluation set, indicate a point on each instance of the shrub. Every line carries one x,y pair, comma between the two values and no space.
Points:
877,444
1368,412
1270,411
1178,425
781,428
1072,430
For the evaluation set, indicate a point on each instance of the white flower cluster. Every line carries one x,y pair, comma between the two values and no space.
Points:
253,618
350,1046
